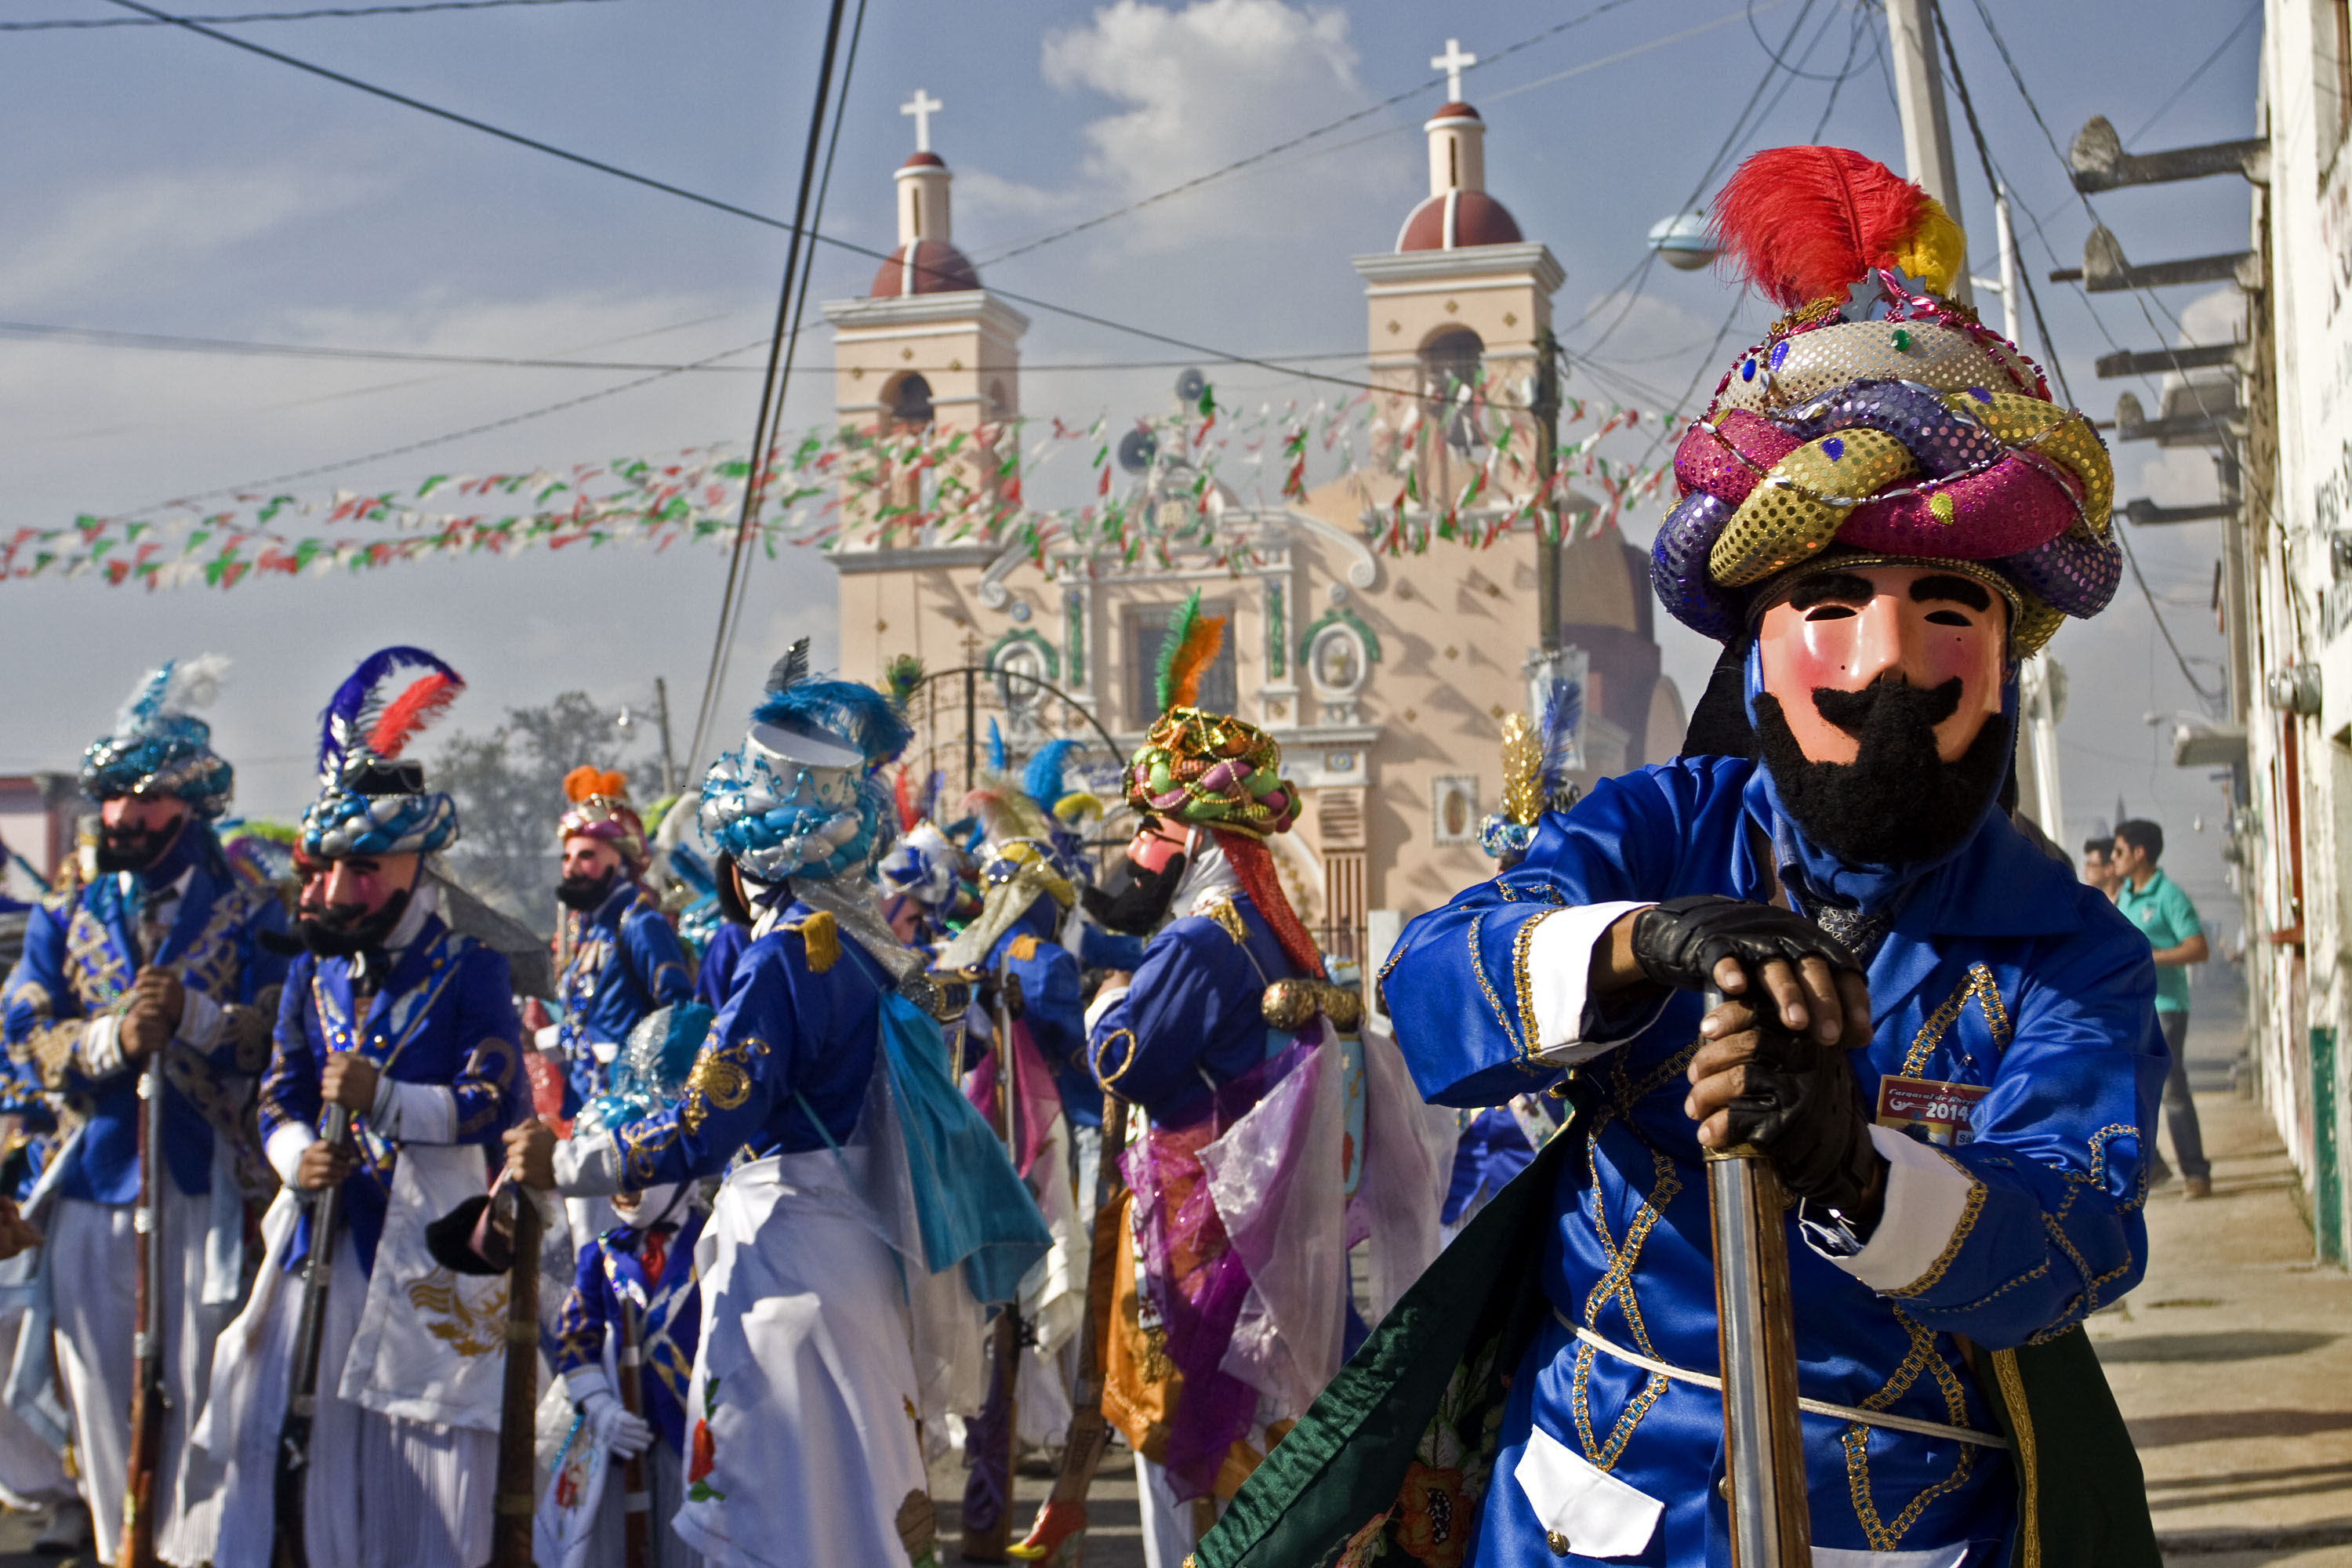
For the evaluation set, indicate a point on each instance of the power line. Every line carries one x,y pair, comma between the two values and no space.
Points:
771,386
85,24
2205,65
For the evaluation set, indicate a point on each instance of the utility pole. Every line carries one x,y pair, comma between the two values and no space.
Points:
669,762
1920,100
1546,408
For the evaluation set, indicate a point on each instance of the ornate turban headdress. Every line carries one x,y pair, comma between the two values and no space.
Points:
1205,769
158,746
1917,436
600,809
804,795
372,798
1213,770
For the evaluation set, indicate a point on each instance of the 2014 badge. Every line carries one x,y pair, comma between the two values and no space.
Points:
1946,1110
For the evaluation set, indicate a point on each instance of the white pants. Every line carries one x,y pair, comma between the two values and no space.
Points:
381,1492
804,1376
1168,1532
31,1474
94,1270
666,1483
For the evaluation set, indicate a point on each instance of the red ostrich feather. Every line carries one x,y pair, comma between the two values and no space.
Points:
1806,223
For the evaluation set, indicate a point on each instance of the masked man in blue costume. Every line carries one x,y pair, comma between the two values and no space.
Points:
164,951
634,1310
621,958
1942,1042
820,1087
410,1028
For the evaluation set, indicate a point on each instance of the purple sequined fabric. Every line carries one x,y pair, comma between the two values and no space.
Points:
1195,1280
1941,442
1678,567
2074,573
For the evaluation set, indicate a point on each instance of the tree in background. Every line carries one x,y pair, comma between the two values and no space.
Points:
509,786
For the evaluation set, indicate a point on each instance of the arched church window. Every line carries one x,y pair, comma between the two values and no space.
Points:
1451,362
910,400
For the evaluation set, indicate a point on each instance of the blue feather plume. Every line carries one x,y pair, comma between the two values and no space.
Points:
998,761
1563,720
352,712
1041,781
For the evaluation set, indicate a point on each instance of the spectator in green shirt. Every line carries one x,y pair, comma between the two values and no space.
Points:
2155,903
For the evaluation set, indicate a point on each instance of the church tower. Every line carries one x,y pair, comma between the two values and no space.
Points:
1457,311
927,350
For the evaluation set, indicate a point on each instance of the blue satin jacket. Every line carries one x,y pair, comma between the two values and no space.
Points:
797,1037
2001,973
79,958
626,961
447,1017
1048,974
714,980
669,1315
1192,1020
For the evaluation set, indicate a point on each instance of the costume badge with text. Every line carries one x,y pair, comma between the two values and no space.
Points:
1946,1110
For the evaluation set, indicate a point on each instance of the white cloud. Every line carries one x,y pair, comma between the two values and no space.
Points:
1208,84
158,223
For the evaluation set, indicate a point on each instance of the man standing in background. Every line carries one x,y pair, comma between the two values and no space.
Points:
2099,865
2154,902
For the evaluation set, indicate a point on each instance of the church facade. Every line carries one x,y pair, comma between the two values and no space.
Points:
1385,674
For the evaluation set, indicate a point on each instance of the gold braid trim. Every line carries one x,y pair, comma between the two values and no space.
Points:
820,937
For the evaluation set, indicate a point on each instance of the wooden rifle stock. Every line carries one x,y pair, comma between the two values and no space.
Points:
1764,1458
326,1206
1064,1517
639,1548
148,1398
515,1493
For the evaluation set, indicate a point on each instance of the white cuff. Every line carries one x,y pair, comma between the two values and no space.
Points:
101,1046
284,1149
583,1384
1931,1207
414,1113
1559,965
588,1165
200,1020
1105,1000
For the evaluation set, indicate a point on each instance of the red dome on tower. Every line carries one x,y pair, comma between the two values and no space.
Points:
1453,220
926,267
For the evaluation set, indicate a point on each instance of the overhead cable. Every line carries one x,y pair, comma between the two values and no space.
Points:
82,24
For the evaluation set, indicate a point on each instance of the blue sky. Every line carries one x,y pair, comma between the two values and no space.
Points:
161,181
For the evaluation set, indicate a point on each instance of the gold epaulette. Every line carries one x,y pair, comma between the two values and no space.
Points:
820,937
1024,947
1223,912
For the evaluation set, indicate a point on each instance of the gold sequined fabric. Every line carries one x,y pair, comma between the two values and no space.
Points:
1796,510
2060,435
1773,375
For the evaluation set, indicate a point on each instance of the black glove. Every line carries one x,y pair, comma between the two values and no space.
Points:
1799,1107
1679,942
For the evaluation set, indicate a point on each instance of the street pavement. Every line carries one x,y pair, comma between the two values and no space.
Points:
2231,1360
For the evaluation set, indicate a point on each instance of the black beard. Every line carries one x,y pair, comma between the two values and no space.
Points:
134,848
585,892
343,931
1898,803
1136,908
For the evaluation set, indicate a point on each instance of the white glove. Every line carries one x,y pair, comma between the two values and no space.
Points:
624,1434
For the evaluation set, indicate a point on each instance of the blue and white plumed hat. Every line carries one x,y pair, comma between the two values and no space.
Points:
158,746
372,799
804,795
1535,765
650,1072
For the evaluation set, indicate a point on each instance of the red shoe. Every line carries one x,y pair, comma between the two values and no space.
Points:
1056,1523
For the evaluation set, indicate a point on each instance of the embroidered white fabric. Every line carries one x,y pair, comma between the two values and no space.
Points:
101,1046
200,1020
284,1149
1927,1197
1599,1515
1559,964
414,1113
588,1164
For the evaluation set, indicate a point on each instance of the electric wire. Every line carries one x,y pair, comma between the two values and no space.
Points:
2205,65
755,485
771,387
2049,349
83,23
